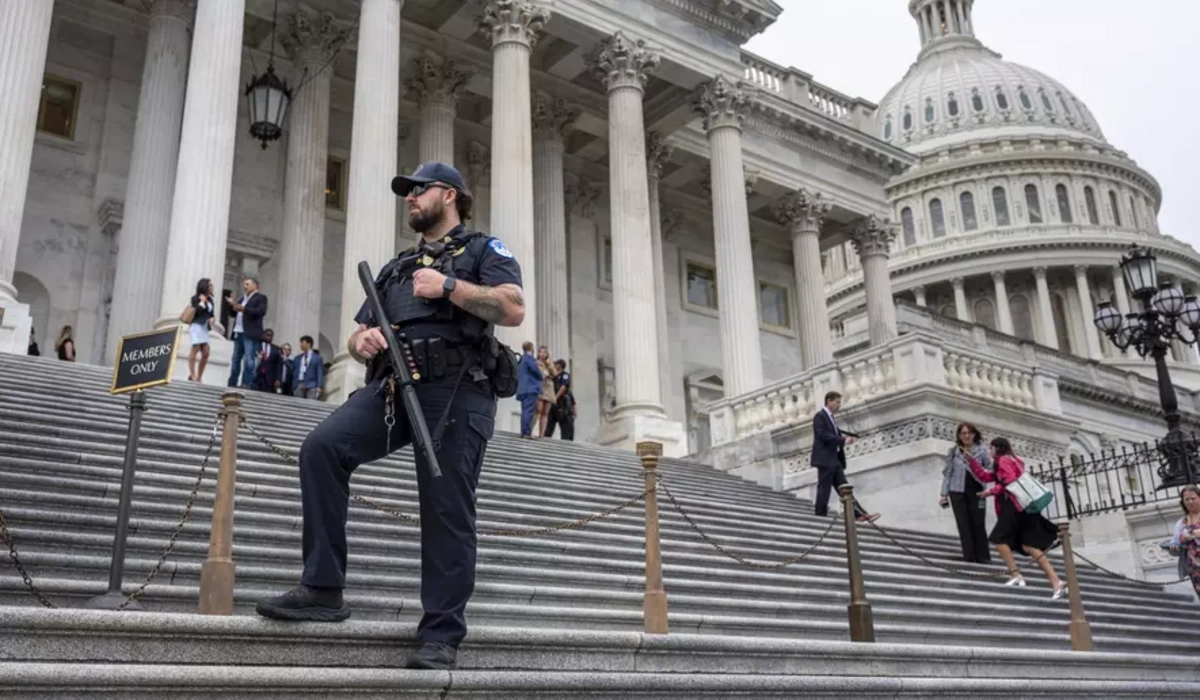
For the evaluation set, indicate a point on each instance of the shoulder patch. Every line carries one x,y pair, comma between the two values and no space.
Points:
497,245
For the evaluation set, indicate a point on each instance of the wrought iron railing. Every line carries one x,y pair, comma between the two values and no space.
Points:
1113,480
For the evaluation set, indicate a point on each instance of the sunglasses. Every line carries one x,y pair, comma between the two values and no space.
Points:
419,190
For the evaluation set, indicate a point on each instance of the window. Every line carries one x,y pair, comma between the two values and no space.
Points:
985,313
335,183
1063,101
58,107
910,230
606,261
952,106
966,204
1000,204
1112,201
1033,203
1089,198
701,285
1018,306
1024,96
1046,102
937,218
887,129
976,100
1001,99
908,124
929,111
774,309
1064,204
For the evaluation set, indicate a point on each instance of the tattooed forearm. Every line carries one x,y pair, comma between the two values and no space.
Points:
503,305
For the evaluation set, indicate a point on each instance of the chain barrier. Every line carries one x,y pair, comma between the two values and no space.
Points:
6,536
736,557
1123,577
520,532
954,570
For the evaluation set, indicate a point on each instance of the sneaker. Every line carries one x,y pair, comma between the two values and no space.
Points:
1059,592
865,518
1017,580
304,603
433,656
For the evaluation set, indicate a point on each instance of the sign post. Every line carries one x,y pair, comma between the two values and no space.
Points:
143,360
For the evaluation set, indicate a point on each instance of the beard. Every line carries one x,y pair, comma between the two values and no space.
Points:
422,220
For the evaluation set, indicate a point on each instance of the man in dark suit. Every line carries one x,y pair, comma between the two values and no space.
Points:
829,456
268,363
247,332
310,370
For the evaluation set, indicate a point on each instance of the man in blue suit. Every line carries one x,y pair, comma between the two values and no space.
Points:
829,456
529,386
309,370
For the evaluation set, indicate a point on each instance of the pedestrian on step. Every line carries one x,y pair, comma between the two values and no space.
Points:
562,413
1186,542
960,491
545,400
529,388
829,457
65,345
444,296
1015,529
200,310
34,351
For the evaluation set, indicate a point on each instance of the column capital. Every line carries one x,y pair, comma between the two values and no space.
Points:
658,152
479,163
721,103
1039,272
998,275
179,9
582,194
313,38
802,210
872,235
671,223
620,62
1081,270
513,21
553,116
957,282
437,83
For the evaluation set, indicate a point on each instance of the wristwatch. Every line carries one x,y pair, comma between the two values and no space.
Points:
448,286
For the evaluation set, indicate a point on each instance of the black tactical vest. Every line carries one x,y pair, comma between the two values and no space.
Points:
426,318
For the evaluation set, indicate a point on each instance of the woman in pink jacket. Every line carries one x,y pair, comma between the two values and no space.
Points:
1015,529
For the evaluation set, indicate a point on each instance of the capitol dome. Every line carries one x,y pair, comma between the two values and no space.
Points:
960,90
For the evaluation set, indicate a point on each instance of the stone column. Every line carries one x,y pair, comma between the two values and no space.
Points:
311,39
437,86
872,237
479,165
1122,300
960,300
24,40
803,212
919,293
374,140
723,105
551,120
513,27
1085,303
204,175
657,154
1003,313
1047,334
142,242
623,66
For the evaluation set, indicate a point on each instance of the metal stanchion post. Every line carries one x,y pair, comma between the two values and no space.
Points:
862,626
217,573
1081,631
655,602
113,599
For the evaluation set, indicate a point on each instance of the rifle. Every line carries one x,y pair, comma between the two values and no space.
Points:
404,374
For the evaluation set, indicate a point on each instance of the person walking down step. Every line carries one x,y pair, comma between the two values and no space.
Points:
1186,542
65,345
960,491
1015,529
529,387
829,456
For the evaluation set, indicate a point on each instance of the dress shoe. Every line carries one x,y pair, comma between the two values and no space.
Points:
434,656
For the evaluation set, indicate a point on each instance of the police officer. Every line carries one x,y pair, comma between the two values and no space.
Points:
443,298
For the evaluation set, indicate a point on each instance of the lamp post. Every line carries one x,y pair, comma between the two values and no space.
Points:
1166,315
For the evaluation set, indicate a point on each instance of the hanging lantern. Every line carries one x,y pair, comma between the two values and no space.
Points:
269,99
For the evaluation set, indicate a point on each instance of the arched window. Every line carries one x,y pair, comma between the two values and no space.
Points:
910,230
952,106
937,218
1046,102
887,129
985,313
1116,210
1133,215
1001,99
966,204
1064,204
1065,105
1000,204
929,111
1025,101
907,123
1089,197
976,100
1033,203
1018,306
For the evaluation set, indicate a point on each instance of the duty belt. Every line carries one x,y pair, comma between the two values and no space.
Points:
434,358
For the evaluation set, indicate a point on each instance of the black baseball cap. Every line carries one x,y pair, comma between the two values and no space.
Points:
427,173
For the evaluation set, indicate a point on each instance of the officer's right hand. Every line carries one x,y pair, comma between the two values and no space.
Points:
369,343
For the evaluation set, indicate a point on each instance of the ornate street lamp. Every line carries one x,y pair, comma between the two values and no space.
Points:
269,98
1166,315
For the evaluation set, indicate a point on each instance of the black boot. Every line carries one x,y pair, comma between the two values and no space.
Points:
304,603
435,656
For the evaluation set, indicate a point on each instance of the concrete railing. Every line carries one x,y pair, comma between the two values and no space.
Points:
798,87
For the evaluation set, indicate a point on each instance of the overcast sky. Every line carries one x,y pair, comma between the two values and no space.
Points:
1135,64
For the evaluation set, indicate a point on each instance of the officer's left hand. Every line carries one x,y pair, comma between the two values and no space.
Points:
427,283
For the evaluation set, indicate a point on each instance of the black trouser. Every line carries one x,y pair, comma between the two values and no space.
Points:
355,434
827,479
561,416
970,514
